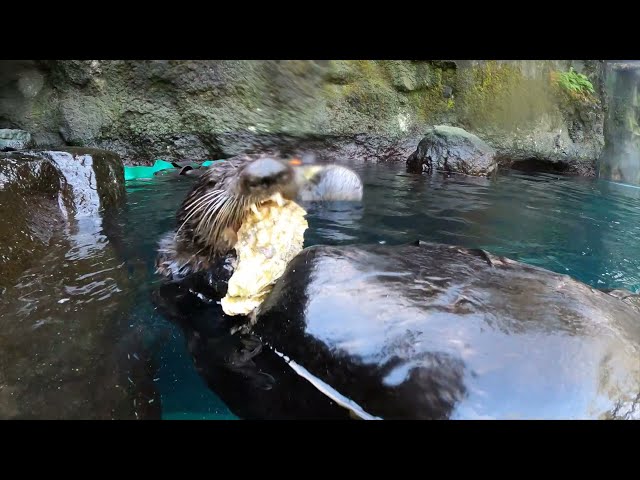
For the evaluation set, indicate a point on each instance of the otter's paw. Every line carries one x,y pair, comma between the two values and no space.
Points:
252,345
262,381
248,347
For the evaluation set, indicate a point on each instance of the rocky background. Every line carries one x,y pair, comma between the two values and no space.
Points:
357,110
620,159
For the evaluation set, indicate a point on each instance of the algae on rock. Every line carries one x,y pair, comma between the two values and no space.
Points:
199,110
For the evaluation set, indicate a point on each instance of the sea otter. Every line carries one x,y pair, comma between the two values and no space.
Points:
200,252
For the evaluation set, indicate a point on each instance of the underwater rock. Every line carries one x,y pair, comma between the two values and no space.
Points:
452,150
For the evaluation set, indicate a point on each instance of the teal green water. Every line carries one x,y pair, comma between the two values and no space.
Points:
585,228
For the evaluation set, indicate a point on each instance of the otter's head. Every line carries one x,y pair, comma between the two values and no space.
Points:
217,204
261,179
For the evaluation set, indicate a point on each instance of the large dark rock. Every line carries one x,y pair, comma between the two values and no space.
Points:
426,331
30,189
452,150
69,351
41,190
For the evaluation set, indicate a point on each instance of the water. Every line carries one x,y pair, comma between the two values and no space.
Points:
104,271
586,228
582,227
150,212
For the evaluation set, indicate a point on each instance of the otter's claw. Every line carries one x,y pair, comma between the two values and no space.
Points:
253,346
254,209
263,381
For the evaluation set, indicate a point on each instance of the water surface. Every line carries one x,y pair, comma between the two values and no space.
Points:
585,228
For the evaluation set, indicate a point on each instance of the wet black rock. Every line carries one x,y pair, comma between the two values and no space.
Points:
69,347
42,190
452,150
430,331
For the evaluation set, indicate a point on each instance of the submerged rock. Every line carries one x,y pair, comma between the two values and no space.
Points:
425,331
13,139
452,150
69,351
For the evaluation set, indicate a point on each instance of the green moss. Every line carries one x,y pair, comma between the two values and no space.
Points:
41,106
575,83
497,94
299,67
367,68
573,89
345,72
369,92
407,76
429,104
340,72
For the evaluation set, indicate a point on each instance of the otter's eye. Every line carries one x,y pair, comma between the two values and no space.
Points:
284,176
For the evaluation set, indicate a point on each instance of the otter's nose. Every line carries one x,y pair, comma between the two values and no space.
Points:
266,172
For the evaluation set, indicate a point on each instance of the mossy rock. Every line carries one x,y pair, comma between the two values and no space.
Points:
497,95
452,150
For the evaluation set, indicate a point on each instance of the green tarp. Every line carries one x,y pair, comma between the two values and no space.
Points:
137,172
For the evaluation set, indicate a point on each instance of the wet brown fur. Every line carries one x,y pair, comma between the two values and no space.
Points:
211,214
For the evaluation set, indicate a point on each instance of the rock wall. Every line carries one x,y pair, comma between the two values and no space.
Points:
368,110
620,159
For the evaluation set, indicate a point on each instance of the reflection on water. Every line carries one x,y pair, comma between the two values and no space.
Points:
150,212
64,336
